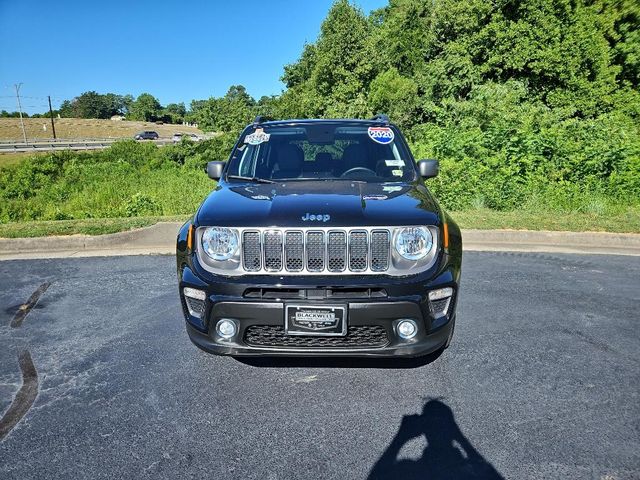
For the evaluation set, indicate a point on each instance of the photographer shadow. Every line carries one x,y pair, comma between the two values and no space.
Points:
448,453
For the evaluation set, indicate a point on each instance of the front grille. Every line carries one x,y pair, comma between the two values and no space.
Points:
360,336
316,251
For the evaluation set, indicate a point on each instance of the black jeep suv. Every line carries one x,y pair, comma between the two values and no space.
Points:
320,238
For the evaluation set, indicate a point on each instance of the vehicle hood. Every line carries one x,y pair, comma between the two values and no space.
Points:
320,204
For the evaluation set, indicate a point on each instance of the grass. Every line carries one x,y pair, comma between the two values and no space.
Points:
89,226
40,128
477,219
624,222
8,159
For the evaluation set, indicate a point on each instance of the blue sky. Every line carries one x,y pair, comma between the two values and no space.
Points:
177,51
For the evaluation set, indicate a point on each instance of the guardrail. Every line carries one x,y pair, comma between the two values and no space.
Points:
61,140
21,147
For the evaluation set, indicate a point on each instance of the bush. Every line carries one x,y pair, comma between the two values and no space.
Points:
502,152
128,179
140,204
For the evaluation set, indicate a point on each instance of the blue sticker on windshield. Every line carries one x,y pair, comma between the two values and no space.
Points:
383,135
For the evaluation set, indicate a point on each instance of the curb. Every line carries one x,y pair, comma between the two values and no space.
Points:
158,236
161,237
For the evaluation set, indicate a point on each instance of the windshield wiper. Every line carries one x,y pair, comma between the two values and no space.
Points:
316,179
250,179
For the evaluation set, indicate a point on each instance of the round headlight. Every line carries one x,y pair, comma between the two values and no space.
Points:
220,243
414,243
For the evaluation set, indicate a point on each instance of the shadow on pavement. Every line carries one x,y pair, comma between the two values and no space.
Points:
448,453
339,362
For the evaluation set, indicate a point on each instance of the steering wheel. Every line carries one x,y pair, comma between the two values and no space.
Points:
358,169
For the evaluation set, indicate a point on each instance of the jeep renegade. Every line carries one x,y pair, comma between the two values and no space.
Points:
320,238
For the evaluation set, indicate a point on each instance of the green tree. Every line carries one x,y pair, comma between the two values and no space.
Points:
225,114
145,108
174,113
395,95
332,76
93,105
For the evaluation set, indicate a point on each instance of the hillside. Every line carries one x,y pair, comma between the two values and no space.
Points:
40,128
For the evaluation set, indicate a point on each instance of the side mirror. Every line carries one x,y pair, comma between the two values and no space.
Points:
428,168
214,170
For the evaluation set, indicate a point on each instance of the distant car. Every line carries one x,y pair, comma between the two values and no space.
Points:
177,137
146,135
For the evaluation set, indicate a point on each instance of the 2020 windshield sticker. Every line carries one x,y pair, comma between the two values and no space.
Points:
257,137
382,135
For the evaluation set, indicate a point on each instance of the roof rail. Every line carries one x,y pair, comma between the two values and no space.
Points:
261,118
381,117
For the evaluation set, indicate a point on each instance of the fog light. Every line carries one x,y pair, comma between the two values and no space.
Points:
226,328
407,329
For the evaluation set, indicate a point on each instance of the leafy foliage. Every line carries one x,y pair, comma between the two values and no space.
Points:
95,105
145,108
529,105
128,179
226,114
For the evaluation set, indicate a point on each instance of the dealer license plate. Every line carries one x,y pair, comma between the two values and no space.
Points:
312,320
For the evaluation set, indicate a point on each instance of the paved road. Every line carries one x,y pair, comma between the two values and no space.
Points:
541,382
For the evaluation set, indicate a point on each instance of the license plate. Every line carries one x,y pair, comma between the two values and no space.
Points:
312,320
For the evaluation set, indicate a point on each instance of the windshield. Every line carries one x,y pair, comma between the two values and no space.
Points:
323,151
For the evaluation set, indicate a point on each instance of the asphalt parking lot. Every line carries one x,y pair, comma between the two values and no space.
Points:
541,381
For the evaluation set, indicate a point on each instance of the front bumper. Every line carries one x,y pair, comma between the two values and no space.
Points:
360,314
405,298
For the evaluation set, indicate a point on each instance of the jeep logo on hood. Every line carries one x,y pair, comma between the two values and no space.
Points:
307,217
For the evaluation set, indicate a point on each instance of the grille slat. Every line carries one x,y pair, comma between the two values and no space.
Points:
273,250
251,251
294,251
315,251
379,250
359,336
358,246
337,252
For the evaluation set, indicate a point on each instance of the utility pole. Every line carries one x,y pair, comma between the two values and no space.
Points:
18,85
53,127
